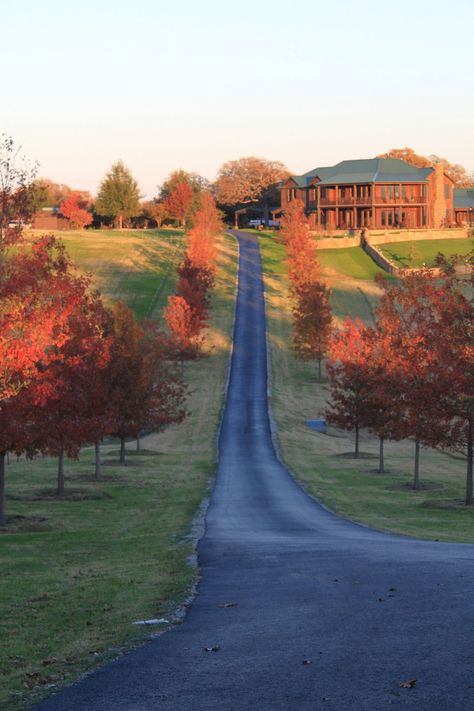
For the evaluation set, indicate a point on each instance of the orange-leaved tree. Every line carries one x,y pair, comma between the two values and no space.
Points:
312,323
312,317
408,316
349,379
76,209
179,204
147,391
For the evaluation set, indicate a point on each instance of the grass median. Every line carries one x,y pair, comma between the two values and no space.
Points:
79,570
324,463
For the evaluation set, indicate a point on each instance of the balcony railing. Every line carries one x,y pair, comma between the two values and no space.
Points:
367,201
400,200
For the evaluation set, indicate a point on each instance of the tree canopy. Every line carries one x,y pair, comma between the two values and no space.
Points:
456,172
119,194
246,180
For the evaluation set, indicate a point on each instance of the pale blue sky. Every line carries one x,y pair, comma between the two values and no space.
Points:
193,84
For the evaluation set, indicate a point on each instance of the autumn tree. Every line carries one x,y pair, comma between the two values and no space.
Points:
201,241
184,328
119,195
63,398
408,315
456,172
147,391
179,203
248,180
312,323
349,379
75,209
455,353
16,177
303,268
197,183
40,298
154,211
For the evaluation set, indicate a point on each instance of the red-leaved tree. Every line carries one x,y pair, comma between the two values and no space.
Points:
179,204
75,209
349,379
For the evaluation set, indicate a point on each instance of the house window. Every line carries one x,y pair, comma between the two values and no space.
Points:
423,215
390,218
404,192
383,218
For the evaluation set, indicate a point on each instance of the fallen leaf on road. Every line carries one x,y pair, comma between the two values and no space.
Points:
307,661
228,604
214,648
409,684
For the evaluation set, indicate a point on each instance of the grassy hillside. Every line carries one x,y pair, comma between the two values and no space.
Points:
415,254
137,266
324,462
76,572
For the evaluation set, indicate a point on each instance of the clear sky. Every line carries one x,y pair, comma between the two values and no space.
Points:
192,84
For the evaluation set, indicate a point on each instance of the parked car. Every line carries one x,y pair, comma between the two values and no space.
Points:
259,224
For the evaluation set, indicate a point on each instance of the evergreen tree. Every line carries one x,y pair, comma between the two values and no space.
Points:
119,195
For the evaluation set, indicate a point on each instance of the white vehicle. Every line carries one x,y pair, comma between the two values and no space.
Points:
259,224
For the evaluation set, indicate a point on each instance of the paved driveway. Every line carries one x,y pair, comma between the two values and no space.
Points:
365,610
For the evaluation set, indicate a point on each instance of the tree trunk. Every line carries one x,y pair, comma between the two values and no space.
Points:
122,451
236,220
138,443
8,457
60,489
469,474
98,465
265,211
381,456
356,452
2,489
319,368
120,218
416,478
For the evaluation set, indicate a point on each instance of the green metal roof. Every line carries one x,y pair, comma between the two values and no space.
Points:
463,198
371,170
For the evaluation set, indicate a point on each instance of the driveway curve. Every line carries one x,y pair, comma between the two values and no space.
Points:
327,614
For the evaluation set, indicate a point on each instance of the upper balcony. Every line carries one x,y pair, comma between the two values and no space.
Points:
351,201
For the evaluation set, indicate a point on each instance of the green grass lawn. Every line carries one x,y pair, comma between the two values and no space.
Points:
137,266
416,253
324,462
77,571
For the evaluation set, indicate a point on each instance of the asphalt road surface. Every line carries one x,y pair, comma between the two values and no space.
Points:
327,615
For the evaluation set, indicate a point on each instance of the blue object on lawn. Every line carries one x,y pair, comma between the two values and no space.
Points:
318,425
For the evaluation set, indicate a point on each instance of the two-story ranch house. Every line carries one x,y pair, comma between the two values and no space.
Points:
375,193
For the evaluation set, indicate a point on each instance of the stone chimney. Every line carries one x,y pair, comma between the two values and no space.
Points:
438,201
